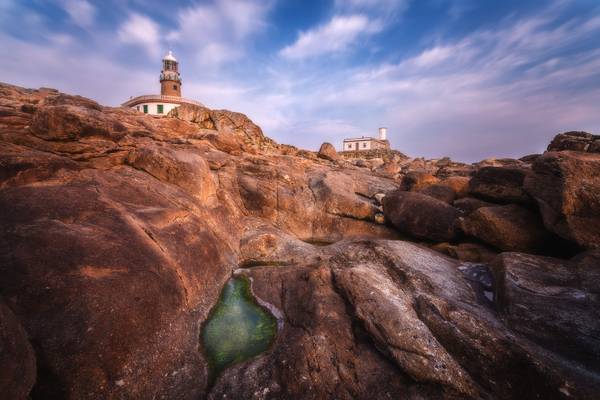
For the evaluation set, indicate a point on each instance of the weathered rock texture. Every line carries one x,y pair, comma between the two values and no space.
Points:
421,216
577,141
500,184
566,186
509,228
118,231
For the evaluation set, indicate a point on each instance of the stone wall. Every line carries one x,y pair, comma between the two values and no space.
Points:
375,153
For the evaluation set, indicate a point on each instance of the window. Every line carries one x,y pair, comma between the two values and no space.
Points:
350,146
159,109
364,144
174,87
137,108
146,108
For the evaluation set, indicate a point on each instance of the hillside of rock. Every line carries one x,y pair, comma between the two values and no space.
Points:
388,277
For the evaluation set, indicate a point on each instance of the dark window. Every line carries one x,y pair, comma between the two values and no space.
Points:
364,144
146,108
174,87
159,109
137,108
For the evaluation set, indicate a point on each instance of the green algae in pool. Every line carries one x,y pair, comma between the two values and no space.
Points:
237,328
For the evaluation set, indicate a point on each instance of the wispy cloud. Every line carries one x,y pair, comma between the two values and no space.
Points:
140,30
82,13
217,32
372,5
335,36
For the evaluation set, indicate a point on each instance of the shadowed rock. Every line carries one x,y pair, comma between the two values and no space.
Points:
421,216
555,302
500,185
566,187
509,228
17,360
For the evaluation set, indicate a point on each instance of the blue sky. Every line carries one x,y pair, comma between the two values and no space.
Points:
468,79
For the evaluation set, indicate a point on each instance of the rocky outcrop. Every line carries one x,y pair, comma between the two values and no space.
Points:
421,216
575,141
119,231
566,187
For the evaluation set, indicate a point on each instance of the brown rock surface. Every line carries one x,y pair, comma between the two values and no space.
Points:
555,302
575,141
328,152
566,187
500,185
416,180
441,192
509,228
421,216
120,229
469,204
17,360
460,185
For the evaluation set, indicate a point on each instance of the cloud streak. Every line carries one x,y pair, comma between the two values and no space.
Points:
140,30
218,32
335,36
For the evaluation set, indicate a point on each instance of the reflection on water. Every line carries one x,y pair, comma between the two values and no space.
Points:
237,328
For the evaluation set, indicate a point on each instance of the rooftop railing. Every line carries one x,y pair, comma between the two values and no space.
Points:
160,97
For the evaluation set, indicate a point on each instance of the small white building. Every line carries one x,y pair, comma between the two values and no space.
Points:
367,143
170,91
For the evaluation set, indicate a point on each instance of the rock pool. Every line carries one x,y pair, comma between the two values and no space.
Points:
237,329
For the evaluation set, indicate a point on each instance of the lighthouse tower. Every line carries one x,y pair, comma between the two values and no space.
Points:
170,78
170,92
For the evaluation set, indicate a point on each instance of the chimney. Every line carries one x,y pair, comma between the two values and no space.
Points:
382,133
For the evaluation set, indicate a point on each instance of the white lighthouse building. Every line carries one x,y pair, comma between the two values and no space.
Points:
170,91
367,143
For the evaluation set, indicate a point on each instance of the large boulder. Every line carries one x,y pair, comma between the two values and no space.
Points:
500,185
553,301
421,216
328,152
509,228
119,269
566,187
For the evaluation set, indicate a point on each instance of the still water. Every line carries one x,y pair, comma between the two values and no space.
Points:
237,329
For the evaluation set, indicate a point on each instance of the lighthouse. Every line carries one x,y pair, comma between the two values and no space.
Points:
170,91
170,78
